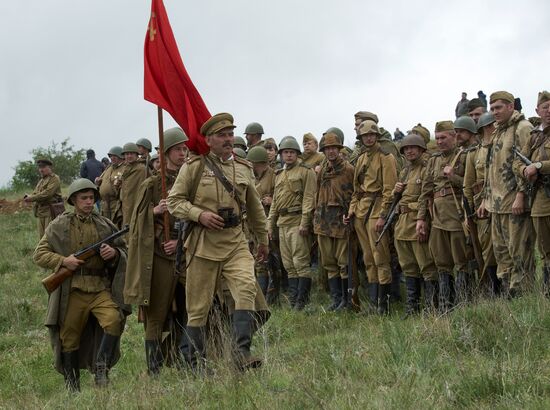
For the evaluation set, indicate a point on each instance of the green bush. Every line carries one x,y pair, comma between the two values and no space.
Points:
66,160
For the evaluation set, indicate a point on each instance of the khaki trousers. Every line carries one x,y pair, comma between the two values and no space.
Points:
449,250
376,257
416,260
79,307
295,252
542,230
334,256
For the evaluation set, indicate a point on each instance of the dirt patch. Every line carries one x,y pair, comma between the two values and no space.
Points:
13,207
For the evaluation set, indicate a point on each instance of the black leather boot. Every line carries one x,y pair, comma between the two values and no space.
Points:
242,335
335,286
105,358
384,296
345,303
273,289
413,286
71,370
153,355
546,281
495,284
304,287
445,290
263,281
372,289
462,287
196,353
293,291
431,293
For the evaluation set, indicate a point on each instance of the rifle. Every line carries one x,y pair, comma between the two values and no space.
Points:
179,246
544,178
472,230
53,281
353,281
391,217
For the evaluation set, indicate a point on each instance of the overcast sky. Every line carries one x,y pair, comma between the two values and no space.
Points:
75,68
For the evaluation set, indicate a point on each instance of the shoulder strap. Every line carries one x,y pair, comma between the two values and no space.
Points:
229,187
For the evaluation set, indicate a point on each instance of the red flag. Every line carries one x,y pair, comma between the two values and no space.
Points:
166,81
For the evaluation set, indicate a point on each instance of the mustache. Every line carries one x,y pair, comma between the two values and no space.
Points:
227,144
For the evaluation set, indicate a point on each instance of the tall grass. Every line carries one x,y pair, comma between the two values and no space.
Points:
493,354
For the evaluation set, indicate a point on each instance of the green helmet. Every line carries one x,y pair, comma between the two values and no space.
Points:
367,127
466,123
239,152
289,143
339,133
239,142
116,151
173,136
254,128
257,154
81,184
485,119
130,147
144,142
412,140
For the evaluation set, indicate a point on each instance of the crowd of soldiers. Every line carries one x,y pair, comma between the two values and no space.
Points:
254,223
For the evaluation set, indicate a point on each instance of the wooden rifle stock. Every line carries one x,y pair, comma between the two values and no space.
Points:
54,280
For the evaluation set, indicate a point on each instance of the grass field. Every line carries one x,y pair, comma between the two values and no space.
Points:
494,354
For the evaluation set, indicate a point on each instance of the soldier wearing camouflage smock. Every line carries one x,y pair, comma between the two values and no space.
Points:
215,192
506,195
334,190
151,276
134,174
414,254
46,193
95,289
265,185
539,174
474,181
291,212
374,179
442,198
109,184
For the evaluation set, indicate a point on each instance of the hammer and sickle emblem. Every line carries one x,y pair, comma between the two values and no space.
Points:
152,31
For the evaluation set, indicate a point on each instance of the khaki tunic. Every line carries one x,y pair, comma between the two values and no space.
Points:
513,235
312,160
109,190
46,192
292,209
265,185
134,175
212,254
374,179
540,210
414,257
447,239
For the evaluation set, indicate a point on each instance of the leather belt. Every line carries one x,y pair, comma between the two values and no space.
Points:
445,191
403,209
290,211
90,272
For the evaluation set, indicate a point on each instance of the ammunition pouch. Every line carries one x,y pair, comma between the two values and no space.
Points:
230,219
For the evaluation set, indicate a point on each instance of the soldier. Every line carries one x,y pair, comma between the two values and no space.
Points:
419,129
240,143
144,148
151,273
334,190
474,181
272,150
46,193
476,109
109,184
311,157
94,289
462,106
466,132
441,198
155,163
339,133
253,133
413,251
215,192
506,195
133,175
374,179
265,185
291,212
538,173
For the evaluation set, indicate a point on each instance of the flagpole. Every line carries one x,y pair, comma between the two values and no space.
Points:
162,159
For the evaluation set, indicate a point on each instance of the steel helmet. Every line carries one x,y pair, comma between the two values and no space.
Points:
412,140
81,184
486,118
289,143
465,122
257,154
116,151
130,147
173,136
144,142
254,128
